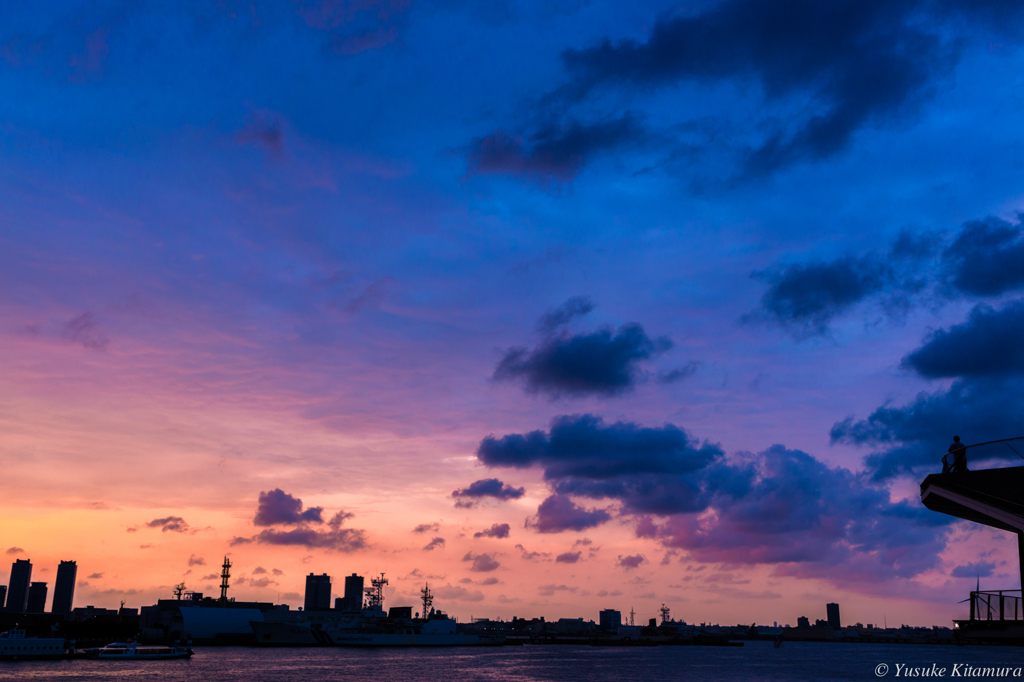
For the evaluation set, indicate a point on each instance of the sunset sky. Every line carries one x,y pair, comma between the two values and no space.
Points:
557,306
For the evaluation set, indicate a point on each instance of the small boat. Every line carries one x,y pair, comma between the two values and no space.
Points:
130,651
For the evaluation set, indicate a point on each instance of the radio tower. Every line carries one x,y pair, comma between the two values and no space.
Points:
225,574
631,615
664,614
377,592
428,599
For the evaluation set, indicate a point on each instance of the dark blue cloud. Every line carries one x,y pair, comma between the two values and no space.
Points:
559,513
577,306
988,344
805,297
987,258
278,507
814,521
568,557
498,530
860,63
602,362
647,493
584,446
860,60
979,569
779,507
487,487
651,470
554,152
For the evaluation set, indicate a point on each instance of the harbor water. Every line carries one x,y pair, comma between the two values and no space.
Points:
753,661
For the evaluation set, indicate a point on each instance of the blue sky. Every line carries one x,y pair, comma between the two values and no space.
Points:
335,222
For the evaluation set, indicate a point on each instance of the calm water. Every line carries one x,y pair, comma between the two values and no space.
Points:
755,661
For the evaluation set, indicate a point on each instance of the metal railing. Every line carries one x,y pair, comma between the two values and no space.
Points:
949,460
1007,604
947,463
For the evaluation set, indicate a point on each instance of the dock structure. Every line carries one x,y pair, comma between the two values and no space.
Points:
995,498
992,497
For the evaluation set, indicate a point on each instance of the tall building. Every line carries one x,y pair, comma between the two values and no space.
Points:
832,611
3,596
64,587
17,592
318,592
37,597
610,619
803,622
353,600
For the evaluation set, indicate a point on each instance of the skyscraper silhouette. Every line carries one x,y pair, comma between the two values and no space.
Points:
37,597
64,587
318,592
610,619
833,616
354,593
17,592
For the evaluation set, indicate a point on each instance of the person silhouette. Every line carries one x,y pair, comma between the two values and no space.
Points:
959,452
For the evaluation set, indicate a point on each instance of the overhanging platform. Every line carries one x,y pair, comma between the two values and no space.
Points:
993,497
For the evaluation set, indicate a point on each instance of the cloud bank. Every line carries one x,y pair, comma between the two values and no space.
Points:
779,507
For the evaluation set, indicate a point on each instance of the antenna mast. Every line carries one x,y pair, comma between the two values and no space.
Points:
428,599
377,592
664,614
225,574
631,616
179,590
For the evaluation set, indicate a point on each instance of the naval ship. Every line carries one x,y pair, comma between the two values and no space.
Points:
370,626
